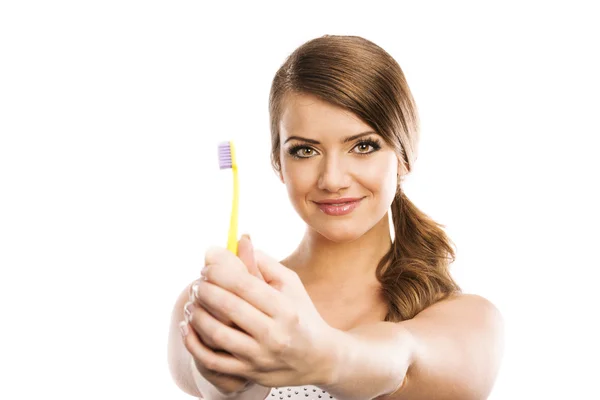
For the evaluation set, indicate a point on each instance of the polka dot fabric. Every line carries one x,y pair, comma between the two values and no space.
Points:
307,392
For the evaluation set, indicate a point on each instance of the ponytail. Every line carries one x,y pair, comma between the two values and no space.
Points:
414,273
359,76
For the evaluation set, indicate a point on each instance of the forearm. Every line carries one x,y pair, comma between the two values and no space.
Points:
370,361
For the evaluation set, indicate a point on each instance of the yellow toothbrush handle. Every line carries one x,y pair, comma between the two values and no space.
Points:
232,242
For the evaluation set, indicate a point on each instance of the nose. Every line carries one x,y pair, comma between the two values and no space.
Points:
333,175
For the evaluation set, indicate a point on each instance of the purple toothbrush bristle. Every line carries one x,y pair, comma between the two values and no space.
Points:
224,155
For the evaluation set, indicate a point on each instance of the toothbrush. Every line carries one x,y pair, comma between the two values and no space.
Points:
227,161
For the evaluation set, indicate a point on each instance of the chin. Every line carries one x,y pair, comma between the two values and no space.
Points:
340,237
343,232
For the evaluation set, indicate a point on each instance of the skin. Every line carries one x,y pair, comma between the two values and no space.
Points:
338,254
353,243
366,358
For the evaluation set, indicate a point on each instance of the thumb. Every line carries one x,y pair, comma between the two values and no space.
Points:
246,254
272,271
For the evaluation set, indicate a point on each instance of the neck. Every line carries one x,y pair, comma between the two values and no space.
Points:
319,260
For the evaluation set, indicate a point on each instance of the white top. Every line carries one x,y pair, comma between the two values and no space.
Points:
307,392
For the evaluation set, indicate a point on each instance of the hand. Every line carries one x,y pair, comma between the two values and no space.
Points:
225,383
246,255
281,341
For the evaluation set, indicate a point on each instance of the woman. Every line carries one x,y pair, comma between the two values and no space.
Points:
355,312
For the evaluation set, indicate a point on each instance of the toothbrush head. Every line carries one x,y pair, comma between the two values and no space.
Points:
227,155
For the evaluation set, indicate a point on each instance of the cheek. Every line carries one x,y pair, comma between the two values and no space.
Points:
298,179
380,178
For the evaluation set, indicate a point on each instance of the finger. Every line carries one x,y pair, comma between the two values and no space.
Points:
192,312
246,254
223,337
252,307
192,342
211,360
193,291
221,256
257,293
193,299
274,273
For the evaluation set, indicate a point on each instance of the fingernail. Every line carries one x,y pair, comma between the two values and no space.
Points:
184,328
188,309
194,291
194,295
248,236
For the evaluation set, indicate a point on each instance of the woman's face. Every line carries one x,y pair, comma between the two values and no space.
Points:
320,162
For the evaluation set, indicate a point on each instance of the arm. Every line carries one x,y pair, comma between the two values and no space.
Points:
178,357
451,350
180,364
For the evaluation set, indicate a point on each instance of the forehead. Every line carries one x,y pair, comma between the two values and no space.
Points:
309,116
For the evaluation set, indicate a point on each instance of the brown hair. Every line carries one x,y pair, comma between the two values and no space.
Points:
359,76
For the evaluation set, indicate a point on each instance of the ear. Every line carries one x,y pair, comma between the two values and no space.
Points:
400,172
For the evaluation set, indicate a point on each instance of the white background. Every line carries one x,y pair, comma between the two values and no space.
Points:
110,192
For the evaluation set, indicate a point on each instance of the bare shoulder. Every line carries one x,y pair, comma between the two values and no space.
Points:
468,309
468,301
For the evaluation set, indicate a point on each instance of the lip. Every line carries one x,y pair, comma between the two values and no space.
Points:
346,206
340,200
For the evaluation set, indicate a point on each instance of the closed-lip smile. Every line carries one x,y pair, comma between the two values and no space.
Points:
341,200
339,207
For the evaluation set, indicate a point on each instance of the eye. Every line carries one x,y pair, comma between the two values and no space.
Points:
301,151
364,145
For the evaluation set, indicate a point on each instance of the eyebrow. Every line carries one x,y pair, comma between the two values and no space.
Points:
346,140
